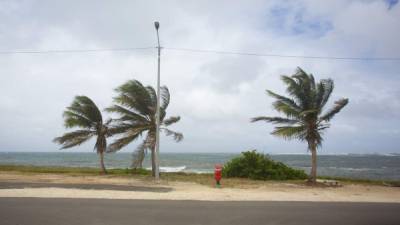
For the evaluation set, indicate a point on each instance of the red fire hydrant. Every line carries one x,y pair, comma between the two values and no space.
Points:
218,174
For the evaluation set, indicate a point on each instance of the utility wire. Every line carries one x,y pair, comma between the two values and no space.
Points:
201,51
286,56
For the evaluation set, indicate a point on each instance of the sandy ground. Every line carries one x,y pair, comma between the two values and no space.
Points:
190,191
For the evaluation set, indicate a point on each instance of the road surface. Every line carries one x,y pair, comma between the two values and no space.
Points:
46,211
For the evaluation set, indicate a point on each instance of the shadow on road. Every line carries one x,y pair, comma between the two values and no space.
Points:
113,187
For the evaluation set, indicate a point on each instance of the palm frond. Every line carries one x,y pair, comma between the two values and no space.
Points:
108,122
286,109
322,127
163,113
85,107
295,90
134,95
339,105
284,100
317,137
128,128
153,96
176,135
126,114
141,151
312,82
171,120
165,98
138,155
73,119
117,128
275,120
325,90
309,111
291,132
293,87
122,142
74,138
307,94
82,113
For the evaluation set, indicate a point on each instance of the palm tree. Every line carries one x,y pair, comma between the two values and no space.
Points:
304,119
85,115
136,105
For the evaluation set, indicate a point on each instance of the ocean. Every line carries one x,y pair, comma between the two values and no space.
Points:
375,167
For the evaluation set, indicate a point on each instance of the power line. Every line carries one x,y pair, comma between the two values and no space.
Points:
73,50
286,56
199,51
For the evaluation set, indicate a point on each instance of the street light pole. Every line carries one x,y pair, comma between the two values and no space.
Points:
157,150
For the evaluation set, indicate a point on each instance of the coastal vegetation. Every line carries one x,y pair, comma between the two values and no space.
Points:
142,174
136,105
257,166
86,116
305,118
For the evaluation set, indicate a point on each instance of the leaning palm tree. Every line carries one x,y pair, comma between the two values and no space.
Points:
304,119
136,105
85,115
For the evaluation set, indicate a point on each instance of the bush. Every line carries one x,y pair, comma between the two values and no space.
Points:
257,166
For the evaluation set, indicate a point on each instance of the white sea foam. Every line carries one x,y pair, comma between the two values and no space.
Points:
172,169
167,169
349,168
198,171
182,169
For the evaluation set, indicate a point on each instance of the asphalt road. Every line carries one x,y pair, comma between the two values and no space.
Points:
37,211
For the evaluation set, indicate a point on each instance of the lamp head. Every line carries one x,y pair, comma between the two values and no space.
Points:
157,25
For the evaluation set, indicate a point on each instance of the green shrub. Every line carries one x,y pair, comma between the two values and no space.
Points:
257,166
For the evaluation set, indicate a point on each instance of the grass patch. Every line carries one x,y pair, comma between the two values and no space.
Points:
345,180
71,170
203,179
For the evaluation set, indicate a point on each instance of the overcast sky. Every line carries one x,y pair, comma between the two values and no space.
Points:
216,95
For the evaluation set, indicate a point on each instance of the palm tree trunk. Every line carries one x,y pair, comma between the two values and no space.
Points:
153,162
313,174
103,168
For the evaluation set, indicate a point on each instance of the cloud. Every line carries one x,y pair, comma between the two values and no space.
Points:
215,95
229,73
391,3
293,19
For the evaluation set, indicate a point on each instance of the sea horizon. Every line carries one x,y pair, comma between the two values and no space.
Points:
349,165
177,152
